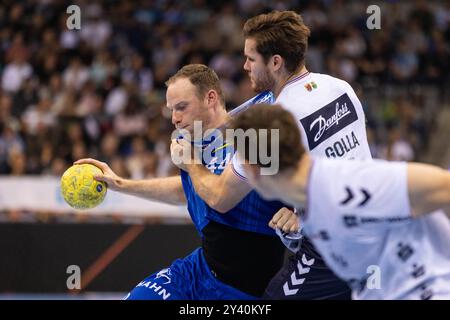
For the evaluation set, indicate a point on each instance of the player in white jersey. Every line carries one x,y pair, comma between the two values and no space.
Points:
381,226
330,117
331,120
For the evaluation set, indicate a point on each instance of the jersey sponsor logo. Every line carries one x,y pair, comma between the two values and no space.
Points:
342,146
352,221
329,120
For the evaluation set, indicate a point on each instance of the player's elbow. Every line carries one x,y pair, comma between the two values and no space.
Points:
221,204
224,208
432,193
228,197
440,198
215,199
447,188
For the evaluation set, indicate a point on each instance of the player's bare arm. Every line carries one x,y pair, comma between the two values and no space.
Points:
429,189
168,190
221,192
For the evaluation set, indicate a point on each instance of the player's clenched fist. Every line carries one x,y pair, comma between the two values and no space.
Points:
285,220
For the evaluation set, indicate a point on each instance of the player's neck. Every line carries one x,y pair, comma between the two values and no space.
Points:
285,78
220,118
296,187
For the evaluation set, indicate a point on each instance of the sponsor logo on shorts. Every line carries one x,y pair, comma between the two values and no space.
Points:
156,287
165,273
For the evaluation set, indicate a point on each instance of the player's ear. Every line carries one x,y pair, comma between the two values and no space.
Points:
276,62
211,97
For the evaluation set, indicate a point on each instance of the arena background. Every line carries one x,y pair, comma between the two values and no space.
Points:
99,92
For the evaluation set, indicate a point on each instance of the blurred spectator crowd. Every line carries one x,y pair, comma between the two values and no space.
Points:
99,92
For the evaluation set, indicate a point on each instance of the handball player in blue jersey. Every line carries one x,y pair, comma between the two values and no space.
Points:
331,121
240,253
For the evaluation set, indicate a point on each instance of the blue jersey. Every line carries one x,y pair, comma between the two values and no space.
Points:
228,266
251,214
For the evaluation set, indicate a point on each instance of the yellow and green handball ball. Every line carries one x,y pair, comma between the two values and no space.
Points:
79,189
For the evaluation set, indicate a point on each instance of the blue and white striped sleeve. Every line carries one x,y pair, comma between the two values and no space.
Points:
237,168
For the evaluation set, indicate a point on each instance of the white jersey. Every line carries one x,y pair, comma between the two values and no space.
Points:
329,115
358,218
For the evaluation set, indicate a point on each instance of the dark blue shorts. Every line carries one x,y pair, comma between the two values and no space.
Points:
189,278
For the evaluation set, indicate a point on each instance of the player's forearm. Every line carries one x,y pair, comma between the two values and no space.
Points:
168,190
221,192
206,184
429,189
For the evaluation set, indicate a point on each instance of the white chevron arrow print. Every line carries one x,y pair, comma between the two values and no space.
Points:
287,291
298,281
302,270
307,262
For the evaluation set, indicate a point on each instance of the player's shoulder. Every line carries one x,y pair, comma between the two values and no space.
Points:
330,81
357,170
325,183
315,86
331,169
314,91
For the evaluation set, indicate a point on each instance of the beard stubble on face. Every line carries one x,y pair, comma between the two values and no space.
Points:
263,82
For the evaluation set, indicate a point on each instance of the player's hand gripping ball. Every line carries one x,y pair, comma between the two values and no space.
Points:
79,188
